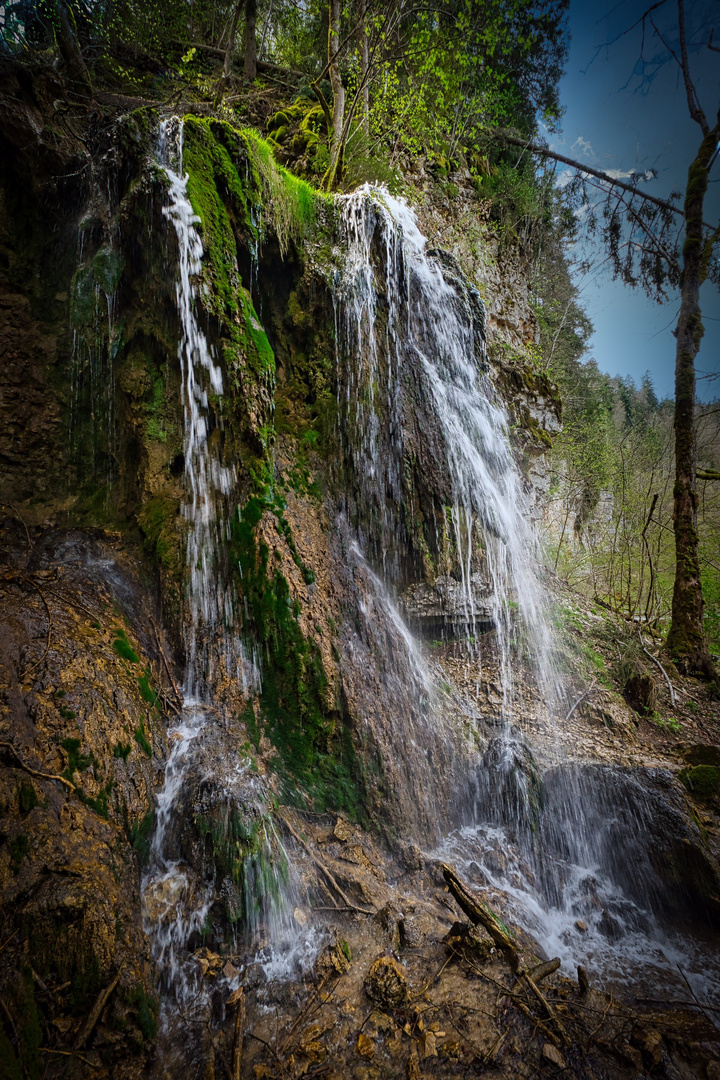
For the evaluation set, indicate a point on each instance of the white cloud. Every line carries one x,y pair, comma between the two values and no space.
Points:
584,146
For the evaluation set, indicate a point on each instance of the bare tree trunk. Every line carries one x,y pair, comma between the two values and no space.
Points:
70,49
231,39
250,69
338,113
364,63
687,641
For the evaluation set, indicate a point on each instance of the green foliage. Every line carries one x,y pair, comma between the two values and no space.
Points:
99,802
314,747
146,1011
146,690
703,781
122,750
28,1025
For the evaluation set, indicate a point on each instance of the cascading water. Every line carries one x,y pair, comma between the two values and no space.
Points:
413,340
207,783
410,356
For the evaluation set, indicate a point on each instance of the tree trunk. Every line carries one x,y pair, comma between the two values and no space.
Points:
231,40
250,69
70,49
687,641
338,114
364,63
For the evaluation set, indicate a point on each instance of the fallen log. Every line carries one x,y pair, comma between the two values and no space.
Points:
479,914
537,974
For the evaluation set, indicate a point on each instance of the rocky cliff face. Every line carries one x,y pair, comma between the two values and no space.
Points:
335,514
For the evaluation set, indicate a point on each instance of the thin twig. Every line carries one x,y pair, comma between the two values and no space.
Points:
324,869
165,662
580,700
662,669
35,772
699,1003
70,1053
49,629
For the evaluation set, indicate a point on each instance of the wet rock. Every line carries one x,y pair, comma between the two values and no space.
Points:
343,830
386,983
650,1043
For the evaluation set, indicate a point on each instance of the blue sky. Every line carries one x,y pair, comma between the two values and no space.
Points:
623,114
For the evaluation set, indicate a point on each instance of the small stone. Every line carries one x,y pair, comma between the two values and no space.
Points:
427,1044
365,1046
386,983
236,996
552,1054
343,831
650,1044
581,925
300,917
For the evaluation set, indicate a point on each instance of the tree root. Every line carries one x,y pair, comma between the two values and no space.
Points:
35,772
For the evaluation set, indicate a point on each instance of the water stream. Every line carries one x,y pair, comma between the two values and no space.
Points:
207,783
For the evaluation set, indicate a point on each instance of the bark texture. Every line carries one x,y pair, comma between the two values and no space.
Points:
250,68
687,640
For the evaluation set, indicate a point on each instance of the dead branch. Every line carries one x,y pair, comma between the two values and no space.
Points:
579,700
165,662
321,866
95,1012
478,913
49,629
547,1007
238,1037
72,1054
35,772
543,970
18,515
662,669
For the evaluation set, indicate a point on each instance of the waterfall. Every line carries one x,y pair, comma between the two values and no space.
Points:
207,783
570,847
412,341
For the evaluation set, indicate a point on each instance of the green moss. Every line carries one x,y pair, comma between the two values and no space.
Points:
27,797
28,1025
158,521
10,1067
98,803
142,740
18,849
146,1011
314,748
702,780
122,750
77,762
107,269
146,690
140,834
123,648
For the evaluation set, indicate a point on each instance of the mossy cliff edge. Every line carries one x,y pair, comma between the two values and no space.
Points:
94,562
